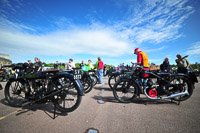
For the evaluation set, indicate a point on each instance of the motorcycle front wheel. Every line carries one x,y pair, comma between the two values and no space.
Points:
70,97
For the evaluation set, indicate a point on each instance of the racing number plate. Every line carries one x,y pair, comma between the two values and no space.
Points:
77,74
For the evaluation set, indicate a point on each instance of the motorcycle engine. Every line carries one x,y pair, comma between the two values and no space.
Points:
151,90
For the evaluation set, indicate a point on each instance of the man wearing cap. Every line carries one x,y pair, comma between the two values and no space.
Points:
142,58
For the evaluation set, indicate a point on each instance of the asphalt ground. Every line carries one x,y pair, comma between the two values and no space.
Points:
111,117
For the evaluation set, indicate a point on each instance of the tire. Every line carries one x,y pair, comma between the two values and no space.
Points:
87,84
95,80
14,93
70,98
180,85
127,88
111,81
1,79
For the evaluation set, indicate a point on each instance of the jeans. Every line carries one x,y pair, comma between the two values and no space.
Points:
100,74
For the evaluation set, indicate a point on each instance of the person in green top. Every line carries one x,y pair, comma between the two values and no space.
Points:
90,66
182,63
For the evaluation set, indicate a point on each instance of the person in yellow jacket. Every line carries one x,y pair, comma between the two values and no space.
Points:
142,58
90,66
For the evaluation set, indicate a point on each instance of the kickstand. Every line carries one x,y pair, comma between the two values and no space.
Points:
179,101
54,113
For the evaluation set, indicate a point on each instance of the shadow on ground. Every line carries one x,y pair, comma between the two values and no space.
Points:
48,109
145,101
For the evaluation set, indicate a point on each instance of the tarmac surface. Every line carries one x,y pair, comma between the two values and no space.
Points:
111,117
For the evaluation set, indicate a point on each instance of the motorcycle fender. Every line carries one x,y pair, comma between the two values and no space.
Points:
77,82
79,85
126,78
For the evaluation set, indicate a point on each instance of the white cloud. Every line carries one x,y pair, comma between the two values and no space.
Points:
152,21
155,21
194,49
89,40
154,50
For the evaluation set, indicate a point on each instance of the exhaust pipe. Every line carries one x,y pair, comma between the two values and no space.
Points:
176,95
168,97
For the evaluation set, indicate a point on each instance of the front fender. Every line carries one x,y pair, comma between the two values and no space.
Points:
80,87
71,77
133,81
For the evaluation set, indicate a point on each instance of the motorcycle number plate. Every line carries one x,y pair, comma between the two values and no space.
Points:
90,73
77,74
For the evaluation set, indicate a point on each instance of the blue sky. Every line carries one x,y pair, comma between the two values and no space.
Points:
111,29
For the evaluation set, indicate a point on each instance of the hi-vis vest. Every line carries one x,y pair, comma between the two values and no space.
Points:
145,59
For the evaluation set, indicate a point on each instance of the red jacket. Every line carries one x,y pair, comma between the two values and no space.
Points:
100,65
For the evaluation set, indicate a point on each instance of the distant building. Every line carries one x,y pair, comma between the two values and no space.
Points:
5,60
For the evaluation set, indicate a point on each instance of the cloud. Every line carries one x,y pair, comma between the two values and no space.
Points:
155,21
87,40
154,50
194,49
152,21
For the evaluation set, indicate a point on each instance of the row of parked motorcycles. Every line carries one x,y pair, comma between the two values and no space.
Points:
63,88
128,85
66,88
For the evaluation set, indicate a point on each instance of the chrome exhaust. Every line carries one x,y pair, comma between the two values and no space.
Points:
168,97
176,95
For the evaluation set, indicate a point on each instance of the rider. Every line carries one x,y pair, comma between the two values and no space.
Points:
142,60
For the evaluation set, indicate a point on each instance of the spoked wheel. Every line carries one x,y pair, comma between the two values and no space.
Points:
14,93
70,98
125,91
180,84
111,81
95,80
87,84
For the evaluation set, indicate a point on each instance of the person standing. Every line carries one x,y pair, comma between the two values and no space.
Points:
105,70
90,66
182,63
142,60
71,64
82,64
100,67
30,66
38,65
165,66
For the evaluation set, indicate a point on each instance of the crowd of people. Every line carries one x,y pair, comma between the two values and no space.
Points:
100,67
142,60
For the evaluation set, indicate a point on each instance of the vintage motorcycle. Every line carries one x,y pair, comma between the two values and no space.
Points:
178,87
64,90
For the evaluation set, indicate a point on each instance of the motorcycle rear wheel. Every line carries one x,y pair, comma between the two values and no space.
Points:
183,84
125,91
14,93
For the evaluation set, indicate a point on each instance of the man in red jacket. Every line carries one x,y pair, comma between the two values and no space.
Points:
100,67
